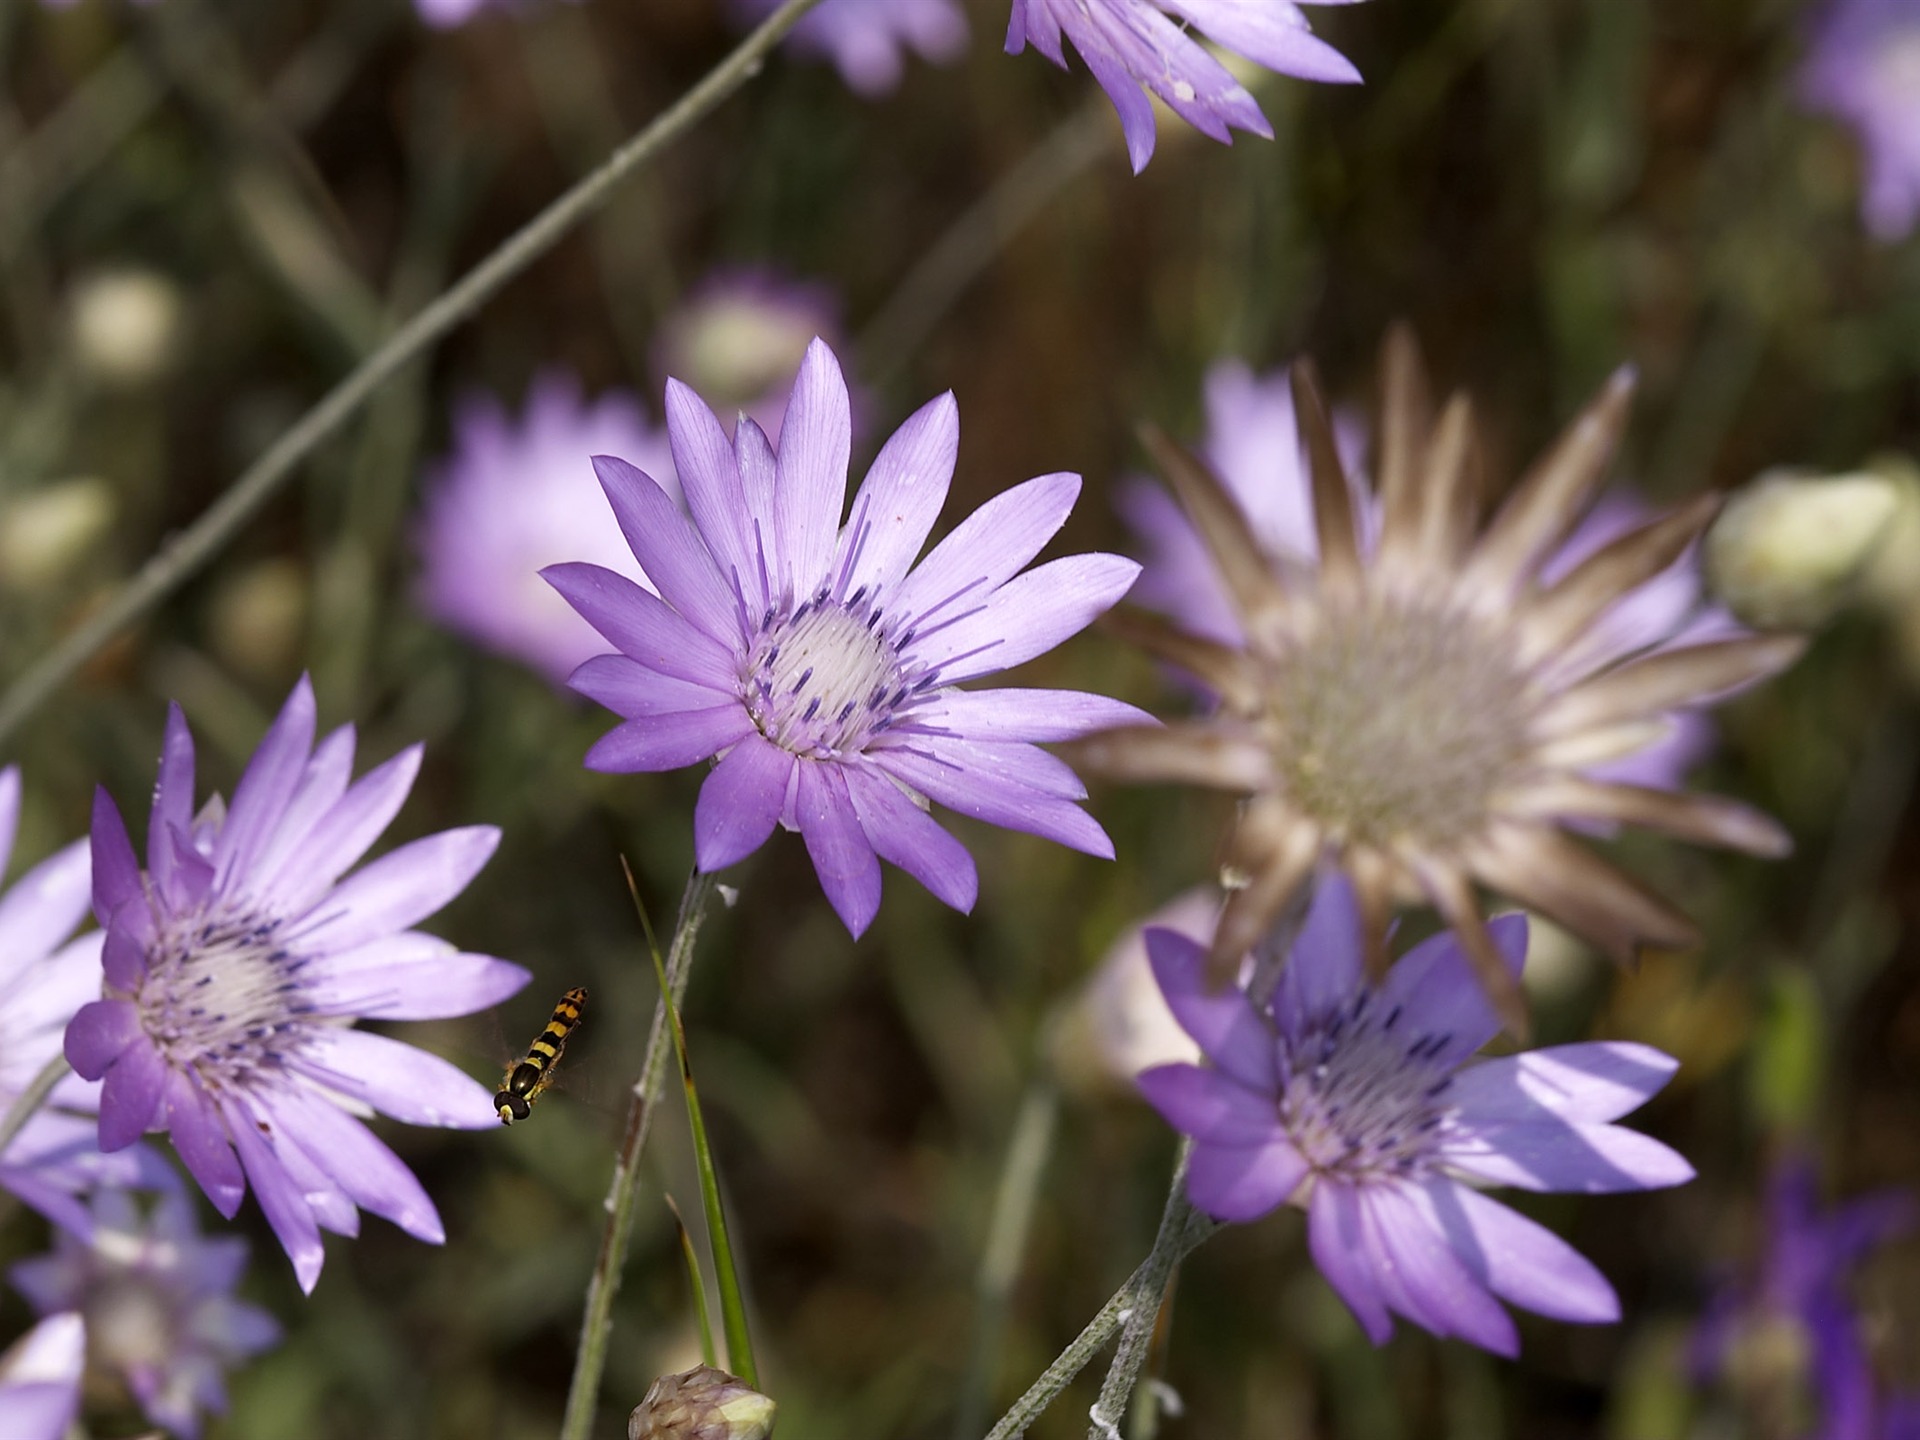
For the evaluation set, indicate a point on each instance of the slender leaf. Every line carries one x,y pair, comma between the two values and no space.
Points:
733,1310
707,1352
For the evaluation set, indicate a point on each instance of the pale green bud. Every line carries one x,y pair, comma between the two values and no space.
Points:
701,1404
1787,550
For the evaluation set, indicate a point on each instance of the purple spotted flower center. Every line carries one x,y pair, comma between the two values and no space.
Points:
1363,1091
828,678
220,997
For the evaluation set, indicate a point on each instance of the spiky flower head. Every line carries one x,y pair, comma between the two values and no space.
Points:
516,494
1139,46
1423,709
704,1403
1359,1104
238,960
46,976
158,1301
820,664
868,40
40,1378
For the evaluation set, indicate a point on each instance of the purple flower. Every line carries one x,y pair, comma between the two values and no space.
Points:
513,497
818,662
738,336
1253,444
40,1379
158,1303
1130,44
867,40
1357,1105
56,1157
238,960
1864,67
1802,1294
446,14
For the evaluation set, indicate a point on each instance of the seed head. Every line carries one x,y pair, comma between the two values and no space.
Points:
703,1403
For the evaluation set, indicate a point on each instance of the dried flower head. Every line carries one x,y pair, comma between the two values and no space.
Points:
1423,710
703,1403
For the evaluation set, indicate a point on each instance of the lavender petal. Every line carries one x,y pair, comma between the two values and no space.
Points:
1028,715
644,626
99,1034
710,480
397,1079
283,1203
988,548
1242,1182
670,741
667,546
1337,1239
1519,1260
1029,615
1592,1082
628,688
897,503
338,838
1009,803
740,803
903,834
1222,1022
1555,1156
199,1135
1446,1298
130,1094
811,486
849,871
267,784
402,887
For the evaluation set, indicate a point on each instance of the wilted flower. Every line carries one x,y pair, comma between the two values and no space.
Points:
238,961
1130,44
40,1379
703,1403
1254,445
819,663
737,338
1794,1334
513,497
867,40
1426,710
1356,1104
56,1156
1864,67
158,1303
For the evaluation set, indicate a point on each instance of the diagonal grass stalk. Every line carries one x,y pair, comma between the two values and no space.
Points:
183,556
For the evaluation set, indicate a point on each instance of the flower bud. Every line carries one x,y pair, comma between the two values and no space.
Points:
126,325
46,531
701,1404
1786,551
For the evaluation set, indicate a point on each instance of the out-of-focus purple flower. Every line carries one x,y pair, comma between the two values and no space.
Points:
1799,1310
1358,1106
819,663
1863,66
56,1157
514,496
238,960
1131,44
40,1379
736,339
446,14
1253,444
867,40
158,1303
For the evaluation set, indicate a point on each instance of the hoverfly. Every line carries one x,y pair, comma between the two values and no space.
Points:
527,1077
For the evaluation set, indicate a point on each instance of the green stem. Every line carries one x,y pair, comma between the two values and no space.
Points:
591,1359
181,557
1136,1331
31,1099
1182,1230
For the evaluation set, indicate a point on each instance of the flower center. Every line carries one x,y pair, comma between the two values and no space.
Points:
131,1324
1390,721
222,997
825,679
1363,1093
